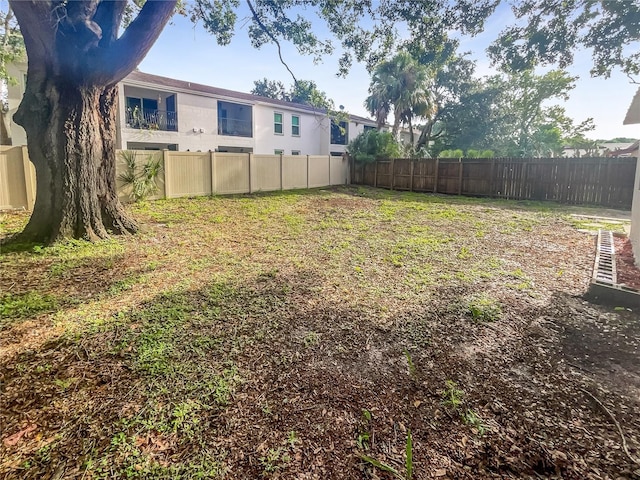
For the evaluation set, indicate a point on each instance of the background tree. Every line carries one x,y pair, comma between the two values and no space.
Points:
305,92
511,115
270,89
398,84
11,50
550,32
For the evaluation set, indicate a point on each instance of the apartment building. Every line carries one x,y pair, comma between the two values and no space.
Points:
157,112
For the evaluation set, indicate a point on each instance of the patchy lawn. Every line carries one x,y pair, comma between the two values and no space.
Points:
305,334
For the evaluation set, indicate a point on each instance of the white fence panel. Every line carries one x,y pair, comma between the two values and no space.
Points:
265,173
188,173
231,173
318,171
294,172
339,170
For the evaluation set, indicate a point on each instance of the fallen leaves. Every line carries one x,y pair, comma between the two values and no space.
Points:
13,440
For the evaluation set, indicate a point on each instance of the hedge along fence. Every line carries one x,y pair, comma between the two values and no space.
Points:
190,174
607,182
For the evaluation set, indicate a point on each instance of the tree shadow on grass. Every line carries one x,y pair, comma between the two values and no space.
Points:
266,377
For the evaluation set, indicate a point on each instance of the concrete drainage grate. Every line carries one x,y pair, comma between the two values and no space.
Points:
604,288
605,267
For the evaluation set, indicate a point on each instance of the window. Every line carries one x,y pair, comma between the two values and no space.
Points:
295,125
277,123
339,133
368,128
235,119
278,152
295,152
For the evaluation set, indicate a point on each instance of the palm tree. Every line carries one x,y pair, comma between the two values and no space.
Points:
399,83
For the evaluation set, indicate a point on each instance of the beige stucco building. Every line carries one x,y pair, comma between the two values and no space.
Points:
157,112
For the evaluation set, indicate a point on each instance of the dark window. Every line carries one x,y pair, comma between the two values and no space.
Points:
339,133
368,128
235,120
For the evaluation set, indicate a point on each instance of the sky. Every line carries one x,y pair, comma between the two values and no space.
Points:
188,52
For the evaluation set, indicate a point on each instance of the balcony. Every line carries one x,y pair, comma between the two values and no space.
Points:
235,127
150,119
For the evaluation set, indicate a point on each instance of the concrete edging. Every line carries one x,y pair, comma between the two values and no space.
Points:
604,288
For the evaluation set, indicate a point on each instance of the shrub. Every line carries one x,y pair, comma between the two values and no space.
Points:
140,178
372,145
451,154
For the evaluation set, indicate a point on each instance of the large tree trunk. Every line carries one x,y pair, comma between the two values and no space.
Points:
75,60
71,141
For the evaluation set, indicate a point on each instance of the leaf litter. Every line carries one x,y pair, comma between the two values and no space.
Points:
244,337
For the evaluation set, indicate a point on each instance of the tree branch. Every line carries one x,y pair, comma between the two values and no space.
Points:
632,80
37,28
617,424
109,16
112,64
272,37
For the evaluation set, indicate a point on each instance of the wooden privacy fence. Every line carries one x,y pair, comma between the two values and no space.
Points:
606,182
190,174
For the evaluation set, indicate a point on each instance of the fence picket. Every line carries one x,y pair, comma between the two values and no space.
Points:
595,181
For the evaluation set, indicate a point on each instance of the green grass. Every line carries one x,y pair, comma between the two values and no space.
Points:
483,308
25,305
228,322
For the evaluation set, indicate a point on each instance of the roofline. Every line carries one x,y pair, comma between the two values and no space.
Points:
172,84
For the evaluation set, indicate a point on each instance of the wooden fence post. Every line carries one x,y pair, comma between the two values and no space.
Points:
492,178
411,182
607,187
393,174
30,188
565,190
523,181
166,161
460,167
435,178
375,175
307,171
329,168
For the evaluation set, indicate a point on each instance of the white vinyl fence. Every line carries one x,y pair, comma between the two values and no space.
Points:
190,174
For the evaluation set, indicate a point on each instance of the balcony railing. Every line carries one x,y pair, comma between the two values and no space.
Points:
235,127
152,119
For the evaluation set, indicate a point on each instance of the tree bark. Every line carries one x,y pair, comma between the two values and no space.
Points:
69,110
71,142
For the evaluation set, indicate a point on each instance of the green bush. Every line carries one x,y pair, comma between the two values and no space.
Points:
372,145
451,154
140,178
